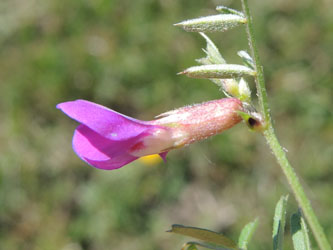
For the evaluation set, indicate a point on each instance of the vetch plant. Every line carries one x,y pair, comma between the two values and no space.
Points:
215,68
109,140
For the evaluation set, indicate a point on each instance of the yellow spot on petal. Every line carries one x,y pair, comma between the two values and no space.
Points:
151,160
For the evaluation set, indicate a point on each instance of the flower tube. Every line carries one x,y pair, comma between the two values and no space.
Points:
109,140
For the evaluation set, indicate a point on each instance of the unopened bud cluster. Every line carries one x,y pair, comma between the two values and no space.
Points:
230,77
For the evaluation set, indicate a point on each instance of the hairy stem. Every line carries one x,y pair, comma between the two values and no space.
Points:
274,144
260,82
297,189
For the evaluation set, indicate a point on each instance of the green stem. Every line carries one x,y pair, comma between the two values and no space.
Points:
274,144
297,189
260,81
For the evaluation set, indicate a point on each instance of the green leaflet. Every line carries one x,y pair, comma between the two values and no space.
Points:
203,244
247,59
299,232
279,223
246,234
227,10
204,235
213,54
190,246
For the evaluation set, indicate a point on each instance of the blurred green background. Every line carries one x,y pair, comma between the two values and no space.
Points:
125,55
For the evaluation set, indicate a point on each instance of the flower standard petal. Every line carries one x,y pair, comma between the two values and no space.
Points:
102,120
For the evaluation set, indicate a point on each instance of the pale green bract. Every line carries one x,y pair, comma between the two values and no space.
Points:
214,23
220,71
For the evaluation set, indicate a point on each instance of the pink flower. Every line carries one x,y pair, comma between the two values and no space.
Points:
109,140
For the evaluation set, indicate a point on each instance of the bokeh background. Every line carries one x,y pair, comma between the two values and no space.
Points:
125,55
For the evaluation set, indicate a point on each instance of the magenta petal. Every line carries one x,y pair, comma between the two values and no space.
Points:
101,152
163,155
106,122
109,164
